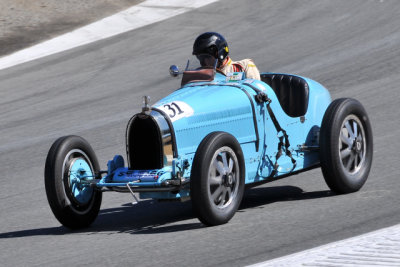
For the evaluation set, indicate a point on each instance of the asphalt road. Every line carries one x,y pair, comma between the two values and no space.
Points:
24,23
352,47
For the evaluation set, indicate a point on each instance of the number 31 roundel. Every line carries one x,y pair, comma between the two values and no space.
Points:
177,110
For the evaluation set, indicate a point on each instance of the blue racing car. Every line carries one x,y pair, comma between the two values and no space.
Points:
212,137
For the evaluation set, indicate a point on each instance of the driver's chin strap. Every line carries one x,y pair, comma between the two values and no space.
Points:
284,143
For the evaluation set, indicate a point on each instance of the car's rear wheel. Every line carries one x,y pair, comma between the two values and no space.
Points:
346,146
70,165
217,179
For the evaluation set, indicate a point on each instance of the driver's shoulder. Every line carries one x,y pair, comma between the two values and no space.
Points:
246,63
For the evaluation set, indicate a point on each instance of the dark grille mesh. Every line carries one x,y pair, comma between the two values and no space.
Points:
144,144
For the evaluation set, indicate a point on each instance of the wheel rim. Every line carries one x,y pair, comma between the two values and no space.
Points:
77,171
223,177
352,144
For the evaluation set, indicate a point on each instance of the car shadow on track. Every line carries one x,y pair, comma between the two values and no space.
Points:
152,217
260,196
146,217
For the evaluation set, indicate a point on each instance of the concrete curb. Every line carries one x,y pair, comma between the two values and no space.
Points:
145,13
379,248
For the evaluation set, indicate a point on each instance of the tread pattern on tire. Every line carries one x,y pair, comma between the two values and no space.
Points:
54,185
337,180
199,193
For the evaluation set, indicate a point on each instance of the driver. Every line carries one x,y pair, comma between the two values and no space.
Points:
214,44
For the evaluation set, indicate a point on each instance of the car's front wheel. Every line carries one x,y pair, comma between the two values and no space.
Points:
217,179
70,165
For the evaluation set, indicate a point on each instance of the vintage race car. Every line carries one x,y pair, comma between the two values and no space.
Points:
212,137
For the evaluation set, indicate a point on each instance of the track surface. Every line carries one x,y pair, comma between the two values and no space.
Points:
24,23
352,47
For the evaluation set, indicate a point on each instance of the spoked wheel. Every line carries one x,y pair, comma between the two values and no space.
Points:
70,165
217,180
346,146
352,144
223,177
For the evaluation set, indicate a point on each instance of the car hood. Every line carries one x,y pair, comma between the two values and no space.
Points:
201,108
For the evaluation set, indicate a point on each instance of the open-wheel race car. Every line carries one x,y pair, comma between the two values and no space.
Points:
212,137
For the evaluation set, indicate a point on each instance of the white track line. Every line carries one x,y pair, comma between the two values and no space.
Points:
145,13
379,248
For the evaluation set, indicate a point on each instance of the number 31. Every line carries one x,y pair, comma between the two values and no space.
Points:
173,108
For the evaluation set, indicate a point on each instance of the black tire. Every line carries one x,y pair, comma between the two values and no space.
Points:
346,146
217,166
74,205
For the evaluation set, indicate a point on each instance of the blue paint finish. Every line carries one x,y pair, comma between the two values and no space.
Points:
137,178
216,108
124,175
198,109
78,172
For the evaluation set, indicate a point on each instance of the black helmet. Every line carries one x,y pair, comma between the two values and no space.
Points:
211,43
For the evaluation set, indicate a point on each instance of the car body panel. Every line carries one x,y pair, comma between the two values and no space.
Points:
200,108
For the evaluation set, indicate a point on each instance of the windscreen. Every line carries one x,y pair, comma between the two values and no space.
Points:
201,61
